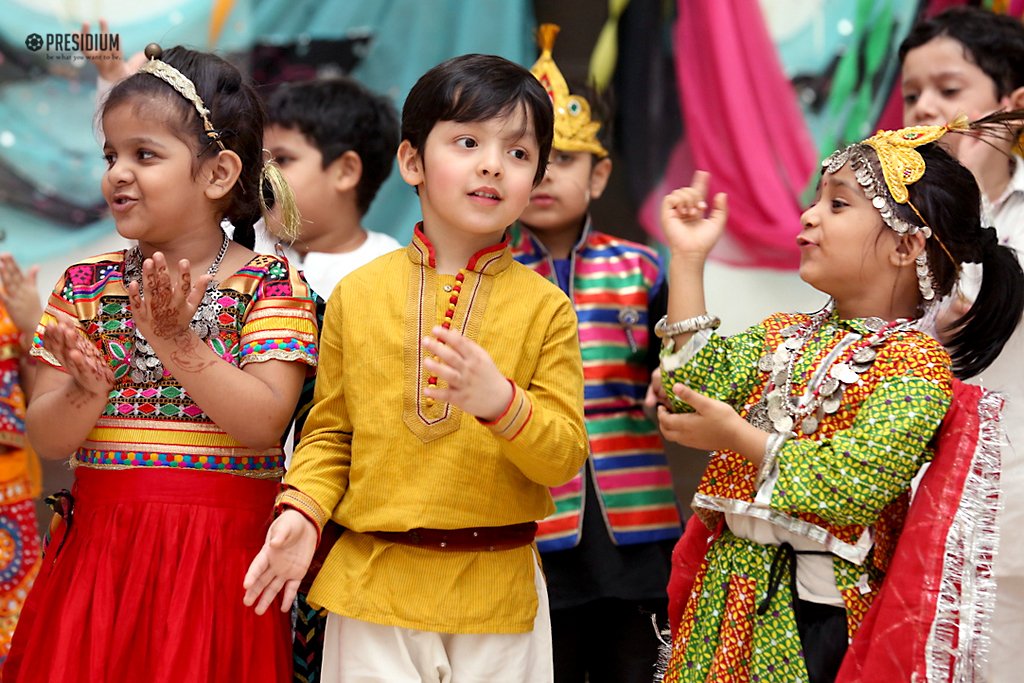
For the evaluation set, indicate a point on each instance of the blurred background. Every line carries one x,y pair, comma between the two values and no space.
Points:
755,91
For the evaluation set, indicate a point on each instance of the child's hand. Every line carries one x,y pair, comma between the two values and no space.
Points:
110,63
655,395
713,425
474,382
168,302
19,294
281,563
79,356
688,231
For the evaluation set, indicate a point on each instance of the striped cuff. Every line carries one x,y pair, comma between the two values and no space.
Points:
516,415
291,497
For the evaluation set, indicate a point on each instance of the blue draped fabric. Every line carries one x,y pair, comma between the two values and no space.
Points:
50,165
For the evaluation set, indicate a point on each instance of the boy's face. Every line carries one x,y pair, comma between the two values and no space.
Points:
302,166
474,179
572,181
939,83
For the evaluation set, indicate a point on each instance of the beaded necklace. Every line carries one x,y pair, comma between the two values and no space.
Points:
146,365
781,411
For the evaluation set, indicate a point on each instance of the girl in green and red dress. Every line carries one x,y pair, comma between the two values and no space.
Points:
818,423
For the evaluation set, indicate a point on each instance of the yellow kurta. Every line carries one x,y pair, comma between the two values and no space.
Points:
375,456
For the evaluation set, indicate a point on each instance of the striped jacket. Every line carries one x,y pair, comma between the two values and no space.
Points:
612,285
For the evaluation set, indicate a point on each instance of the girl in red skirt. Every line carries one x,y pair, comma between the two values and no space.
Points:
170,371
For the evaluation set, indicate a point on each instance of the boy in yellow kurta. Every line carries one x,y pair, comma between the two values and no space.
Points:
448,400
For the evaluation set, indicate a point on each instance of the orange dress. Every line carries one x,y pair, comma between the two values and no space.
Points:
19,485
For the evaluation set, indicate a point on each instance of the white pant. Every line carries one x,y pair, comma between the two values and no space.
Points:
362,652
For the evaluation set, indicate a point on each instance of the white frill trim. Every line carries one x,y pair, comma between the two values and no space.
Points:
958,644
852,552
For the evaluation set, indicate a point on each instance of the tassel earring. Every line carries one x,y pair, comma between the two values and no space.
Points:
287,227
924,276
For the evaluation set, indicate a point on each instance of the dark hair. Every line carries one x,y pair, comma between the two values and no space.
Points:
993,42
477,88
949,199
340,115
235,110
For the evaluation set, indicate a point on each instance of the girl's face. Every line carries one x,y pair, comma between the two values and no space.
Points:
150,187
845,247
939,83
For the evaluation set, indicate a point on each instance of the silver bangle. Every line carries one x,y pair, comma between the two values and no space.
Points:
771,451
704,321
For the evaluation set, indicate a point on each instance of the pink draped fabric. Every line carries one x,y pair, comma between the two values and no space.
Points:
743,124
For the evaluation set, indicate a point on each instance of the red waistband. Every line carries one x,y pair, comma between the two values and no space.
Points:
167,485
473,539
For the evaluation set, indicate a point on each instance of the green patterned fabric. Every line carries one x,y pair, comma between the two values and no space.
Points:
851,475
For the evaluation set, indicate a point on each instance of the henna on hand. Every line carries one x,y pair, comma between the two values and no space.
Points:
165,316
187,356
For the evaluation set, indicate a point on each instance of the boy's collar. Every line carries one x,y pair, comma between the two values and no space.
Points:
489,260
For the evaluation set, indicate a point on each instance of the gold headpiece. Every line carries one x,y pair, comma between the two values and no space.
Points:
180,82
574,131
901,165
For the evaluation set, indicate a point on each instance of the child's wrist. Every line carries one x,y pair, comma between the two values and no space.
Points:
687,258
25,343
502,401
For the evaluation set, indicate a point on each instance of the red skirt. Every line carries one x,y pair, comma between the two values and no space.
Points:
147,585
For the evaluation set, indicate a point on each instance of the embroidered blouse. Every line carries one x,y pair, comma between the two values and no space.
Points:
265,311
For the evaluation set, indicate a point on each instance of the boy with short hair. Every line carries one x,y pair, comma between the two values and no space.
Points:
335,142
608,546
449,398
969,61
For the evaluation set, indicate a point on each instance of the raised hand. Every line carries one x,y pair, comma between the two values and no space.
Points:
474,382
19,294
78,356
689,228
167,302
281,563
110,63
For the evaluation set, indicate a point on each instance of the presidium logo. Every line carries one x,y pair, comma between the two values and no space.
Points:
70,46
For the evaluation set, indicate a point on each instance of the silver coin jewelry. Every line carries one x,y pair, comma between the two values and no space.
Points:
146,367
781,411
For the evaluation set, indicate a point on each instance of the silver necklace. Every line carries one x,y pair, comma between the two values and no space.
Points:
146,367
779,410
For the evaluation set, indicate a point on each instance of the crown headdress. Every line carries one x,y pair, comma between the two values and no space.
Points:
574,129
885,176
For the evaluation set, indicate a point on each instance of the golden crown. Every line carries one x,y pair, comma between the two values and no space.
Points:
574,129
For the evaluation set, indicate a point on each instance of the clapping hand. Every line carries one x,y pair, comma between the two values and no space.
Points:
19,294
166,303
78,355
474,382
